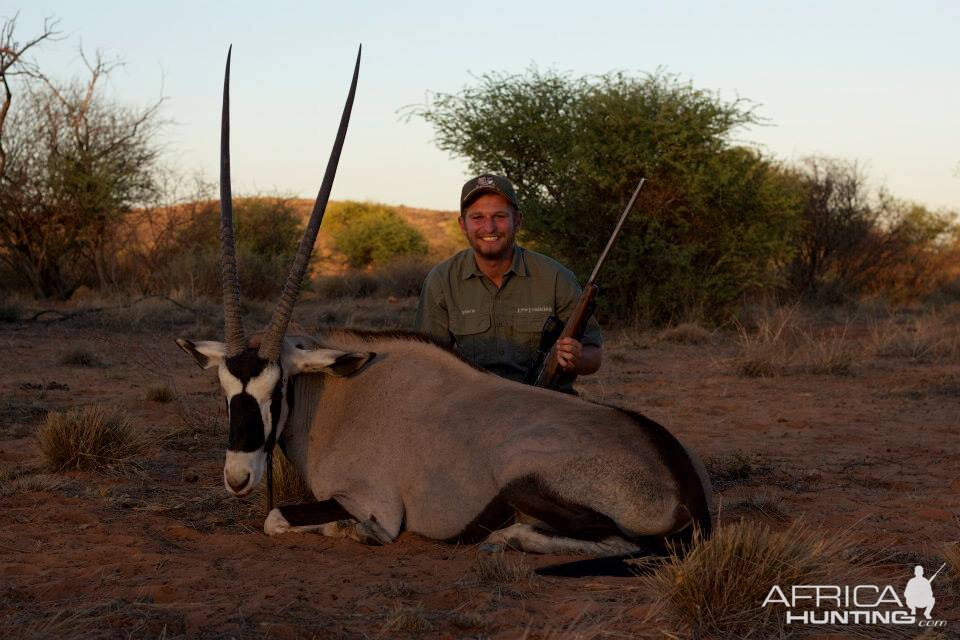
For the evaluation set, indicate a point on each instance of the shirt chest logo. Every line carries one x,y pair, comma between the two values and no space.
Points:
534,309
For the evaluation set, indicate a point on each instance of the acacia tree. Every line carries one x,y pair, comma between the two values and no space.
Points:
74,164
712,224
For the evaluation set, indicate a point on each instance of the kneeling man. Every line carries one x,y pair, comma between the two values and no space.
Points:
490,301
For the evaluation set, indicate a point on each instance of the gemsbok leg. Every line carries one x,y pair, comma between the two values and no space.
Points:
327,518
524,537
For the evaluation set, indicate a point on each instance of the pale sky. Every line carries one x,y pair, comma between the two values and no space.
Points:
875,82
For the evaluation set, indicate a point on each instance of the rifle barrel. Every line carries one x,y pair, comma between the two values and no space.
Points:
938,572
616,232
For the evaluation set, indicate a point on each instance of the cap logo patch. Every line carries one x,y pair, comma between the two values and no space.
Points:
485,181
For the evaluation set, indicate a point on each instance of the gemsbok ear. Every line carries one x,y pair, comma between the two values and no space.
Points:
332,361
206,353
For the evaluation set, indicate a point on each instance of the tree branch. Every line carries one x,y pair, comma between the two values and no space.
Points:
12,62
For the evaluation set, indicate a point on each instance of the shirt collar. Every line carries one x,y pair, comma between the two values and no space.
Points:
518,267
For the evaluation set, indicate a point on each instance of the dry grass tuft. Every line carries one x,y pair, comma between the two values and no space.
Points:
394,589
830,354
416,620
289,487
764,351
404,619
950,577
81,357
160,394
925,339
717,588
90,437
783,342
686,333
28,483
20,471
734,467
767,505
948,385
501,568
467,621
592,623
18,415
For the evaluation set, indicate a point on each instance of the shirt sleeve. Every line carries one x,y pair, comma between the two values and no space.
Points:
567,295
432,317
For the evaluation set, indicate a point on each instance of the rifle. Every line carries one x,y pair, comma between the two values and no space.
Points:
937,573
545,363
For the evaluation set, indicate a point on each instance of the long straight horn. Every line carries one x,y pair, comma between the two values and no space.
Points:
270,346
232,323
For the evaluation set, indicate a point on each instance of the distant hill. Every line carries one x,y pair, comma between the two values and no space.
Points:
439,228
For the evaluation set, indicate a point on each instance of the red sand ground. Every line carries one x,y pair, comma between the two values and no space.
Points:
162,551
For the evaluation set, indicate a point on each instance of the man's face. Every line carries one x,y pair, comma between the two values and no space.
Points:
490,226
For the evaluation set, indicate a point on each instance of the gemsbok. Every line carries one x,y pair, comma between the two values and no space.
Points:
393,432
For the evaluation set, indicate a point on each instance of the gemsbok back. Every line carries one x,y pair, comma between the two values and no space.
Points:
394,432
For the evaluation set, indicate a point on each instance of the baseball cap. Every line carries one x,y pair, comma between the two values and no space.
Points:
487,183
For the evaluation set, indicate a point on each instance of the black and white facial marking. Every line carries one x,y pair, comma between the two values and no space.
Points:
254,393
257,402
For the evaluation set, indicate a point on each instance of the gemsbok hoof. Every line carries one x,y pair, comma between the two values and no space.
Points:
276,524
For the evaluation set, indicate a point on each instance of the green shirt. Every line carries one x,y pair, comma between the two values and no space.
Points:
498,329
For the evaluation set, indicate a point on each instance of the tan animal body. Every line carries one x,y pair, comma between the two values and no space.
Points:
395,432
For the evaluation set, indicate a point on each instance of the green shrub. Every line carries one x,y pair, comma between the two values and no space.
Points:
368,233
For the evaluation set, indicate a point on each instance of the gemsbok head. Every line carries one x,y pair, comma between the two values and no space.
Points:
254,373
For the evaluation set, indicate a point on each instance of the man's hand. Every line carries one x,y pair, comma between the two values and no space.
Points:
568,353
572,356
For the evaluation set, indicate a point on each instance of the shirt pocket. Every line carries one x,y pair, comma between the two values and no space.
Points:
526,337
530,323
468,333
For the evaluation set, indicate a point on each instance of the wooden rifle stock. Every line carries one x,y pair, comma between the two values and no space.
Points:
574,328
